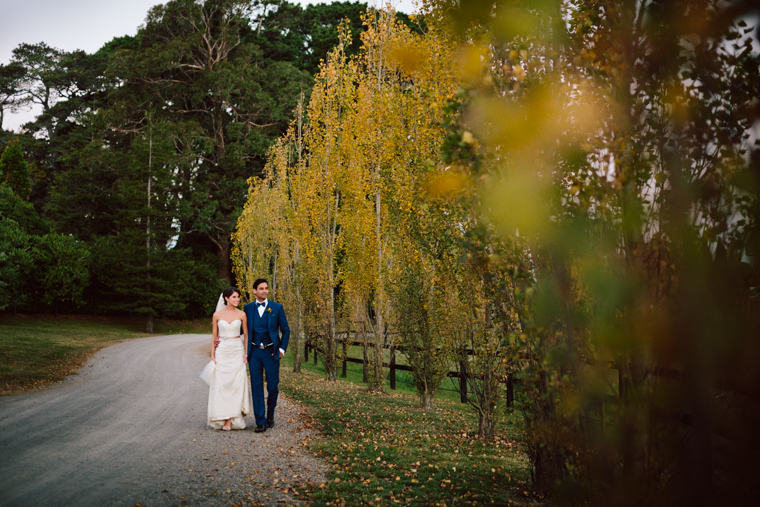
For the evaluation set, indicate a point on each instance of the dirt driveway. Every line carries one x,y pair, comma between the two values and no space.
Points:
130,429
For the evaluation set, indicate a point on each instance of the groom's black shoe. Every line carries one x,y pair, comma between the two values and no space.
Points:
260,429
270,423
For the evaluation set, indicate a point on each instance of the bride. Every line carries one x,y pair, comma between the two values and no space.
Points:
229,397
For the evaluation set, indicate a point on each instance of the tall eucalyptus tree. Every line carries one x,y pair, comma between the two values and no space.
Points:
197,65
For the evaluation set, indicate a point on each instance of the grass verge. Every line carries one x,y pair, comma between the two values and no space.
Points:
39,350
385,450
354,374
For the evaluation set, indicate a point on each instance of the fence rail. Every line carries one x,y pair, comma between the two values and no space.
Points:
393,367
624,386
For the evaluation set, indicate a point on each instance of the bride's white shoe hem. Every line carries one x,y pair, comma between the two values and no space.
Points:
237,423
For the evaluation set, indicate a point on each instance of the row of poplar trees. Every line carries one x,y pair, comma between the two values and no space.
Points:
563,191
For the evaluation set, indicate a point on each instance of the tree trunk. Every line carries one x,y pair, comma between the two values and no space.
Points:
149,323
549,468
365,357
463,379
427,400
344,373
486,424
332,373
331,349
377,379
297,355
223,255
298,336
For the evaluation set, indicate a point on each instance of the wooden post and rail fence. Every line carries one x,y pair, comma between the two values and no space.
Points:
624,384
393,367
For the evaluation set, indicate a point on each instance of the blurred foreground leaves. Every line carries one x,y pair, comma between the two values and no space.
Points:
611,144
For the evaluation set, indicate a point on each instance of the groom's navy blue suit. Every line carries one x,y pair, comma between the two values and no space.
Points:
265,330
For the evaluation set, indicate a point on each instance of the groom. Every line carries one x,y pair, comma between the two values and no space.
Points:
265,348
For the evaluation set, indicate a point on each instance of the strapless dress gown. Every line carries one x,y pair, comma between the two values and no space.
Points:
229,394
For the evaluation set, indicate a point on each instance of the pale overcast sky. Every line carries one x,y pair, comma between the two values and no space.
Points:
81,24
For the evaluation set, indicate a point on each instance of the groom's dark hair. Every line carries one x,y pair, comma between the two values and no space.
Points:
258,282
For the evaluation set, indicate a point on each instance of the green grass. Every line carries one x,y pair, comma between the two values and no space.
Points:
385,450
36,351
404,382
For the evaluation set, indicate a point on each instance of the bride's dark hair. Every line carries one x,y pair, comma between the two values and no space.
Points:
229,291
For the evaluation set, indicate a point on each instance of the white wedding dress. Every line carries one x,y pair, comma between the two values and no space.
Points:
229,394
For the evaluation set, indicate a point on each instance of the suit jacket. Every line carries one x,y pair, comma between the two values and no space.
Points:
276,323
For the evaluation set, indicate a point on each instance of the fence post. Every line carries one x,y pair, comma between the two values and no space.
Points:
510,391
392,365
345,353
463,381
365,357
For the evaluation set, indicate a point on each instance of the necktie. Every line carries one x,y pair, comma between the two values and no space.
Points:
260,304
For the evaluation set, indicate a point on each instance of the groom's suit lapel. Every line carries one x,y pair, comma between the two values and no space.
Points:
267,313
255,318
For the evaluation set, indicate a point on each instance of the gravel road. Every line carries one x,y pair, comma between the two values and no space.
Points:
129,429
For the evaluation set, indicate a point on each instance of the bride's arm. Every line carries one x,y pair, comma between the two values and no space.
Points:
245,337
214,328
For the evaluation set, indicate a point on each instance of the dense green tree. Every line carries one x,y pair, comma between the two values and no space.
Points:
301,35
61,270
55,81
10,78
199,287
64,87
135,236
19,225
304,35
22,212
15,263
14,170
84,199
127,280
227,102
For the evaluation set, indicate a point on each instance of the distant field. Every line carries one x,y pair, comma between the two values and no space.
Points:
39,350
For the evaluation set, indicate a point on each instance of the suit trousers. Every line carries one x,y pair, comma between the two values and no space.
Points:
264,360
